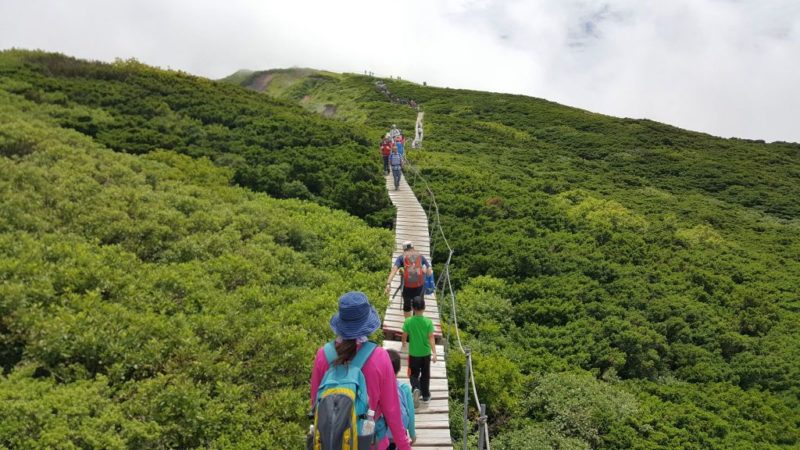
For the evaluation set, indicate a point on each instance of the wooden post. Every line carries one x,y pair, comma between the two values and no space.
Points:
468,355
482,427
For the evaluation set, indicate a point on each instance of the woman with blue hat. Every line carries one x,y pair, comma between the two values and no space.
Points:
355,321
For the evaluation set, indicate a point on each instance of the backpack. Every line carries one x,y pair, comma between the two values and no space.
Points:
430,284
342,403
405,408
381,428
413,275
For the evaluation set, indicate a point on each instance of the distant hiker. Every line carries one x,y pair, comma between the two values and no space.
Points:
400,142
406,401
341,370
386,152
415,266
397,167
418,332
394,132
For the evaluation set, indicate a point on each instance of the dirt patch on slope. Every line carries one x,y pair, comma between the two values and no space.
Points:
329,111
260,82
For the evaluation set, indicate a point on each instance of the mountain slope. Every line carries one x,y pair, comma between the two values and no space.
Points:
145,300
652,269
272,146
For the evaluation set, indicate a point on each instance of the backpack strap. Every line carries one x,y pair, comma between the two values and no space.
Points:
330,352
363,354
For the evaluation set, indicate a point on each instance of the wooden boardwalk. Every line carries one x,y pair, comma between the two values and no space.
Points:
432,421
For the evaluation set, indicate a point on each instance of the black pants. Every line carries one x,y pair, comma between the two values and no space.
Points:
421,374
386,164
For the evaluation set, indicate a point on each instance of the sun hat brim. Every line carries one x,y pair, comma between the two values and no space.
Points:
352,330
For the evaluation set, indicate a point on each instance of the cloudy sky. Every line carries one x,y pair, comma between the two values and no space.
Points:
726,67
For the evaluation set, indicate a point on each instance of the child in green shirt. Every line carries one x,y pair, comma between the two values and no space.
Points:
418,332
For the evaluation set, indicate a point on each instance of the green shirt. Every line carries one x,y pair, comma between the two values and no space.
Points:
418,329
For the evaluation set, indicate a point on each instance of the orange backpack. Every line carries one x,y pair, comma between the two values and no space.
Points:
413,274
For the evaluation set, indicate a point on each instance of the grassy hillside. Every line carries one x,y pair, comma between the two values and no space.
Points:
624,283
272,146
145,301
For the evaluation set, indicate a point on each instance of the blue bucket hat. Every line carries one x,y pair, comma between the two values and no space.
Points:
356,317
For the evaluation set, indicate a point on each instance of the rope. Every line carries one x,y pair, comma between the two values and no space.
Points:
446,284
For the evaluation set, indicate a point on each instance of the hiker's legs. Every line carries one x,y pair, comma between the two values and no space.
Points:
408,295
406,304
425,377
386,165
396,172
415,364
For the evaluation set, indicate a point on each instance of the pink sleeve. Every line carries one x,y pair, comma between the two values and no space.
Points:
390,402
320,366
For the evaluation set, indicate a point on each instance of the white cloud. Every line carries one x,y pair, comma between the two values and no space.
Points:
725,67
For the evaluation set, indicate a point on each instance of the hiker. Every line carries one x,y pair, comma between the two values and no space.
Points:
418,332
351,356
400,142
413,283
394,132
386,151
406,401
397,167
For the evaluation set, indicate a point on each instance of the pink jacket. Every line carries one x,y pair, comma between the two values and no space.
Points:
381,388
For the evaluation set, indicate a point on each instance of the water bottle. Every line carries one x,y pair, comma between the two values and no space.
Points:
310,438
368,427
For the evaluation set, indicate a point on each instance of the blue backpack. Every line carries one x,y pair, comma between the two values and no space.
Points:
342,403
430,284
381,428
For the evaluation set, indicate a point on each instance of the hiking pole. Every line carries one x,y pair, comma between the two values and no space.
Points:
395,293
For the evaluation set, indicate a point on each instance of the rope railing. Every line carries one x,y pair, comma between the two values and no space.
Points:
445,289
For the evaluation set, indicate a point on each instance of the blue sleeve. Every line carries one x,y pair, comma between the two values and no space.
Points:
424,261
399,261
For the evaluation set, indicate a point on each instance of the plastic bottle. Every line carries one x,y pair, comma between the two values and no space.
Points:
368,427
310,437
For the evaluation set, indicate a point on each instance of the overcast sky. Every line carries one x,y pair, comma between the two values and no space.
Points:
726,67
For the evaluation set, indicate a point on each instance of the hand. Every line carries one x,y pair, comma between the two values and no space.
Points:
433,357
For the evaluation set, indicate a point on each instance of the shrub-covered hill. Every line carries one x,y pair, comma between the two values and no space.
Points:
272,146
146,303
623,283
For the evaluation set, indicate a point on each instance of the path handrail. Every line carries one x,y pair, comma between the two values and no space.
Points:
446,287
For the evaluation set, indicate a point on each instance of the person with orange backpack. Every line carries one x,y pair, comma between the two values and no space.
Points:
415,267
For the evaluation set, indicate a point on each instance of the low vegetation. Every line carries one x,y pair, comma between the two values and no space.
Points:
623,283
146,302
